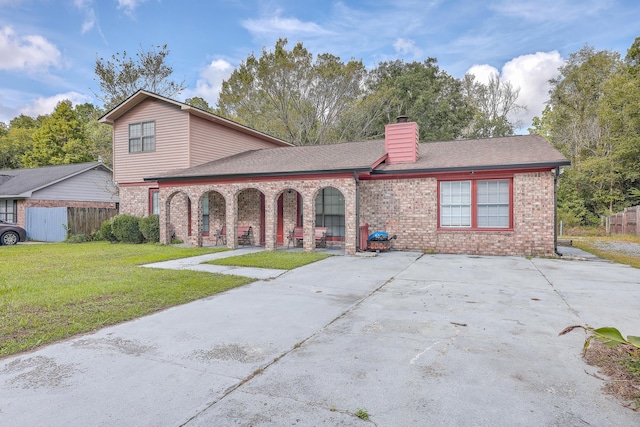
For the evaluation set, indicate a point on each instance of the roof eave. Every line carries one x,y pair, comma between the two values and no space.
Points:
541,165
262,174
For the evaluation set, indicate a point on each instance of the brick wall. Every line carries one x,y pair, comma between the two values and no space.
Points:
242,202
409,209
134,200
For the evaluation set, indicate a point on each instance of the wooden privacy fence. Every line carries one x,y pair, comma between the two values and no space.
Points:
625,222
87,220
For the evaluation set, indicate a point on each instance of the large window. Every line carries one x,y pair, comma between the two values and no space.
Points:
493,204
9,210
455,204
142,137
330,211
475,204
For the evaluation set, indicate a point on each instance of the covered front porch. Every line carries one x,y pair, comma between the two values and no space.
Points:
204,214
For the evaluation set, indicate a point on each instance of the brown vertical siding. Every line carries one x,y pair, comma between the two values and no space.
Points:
171,142
211,141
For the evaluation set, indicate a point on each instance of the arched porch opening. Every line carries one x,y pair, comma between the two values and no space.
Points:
214,216
288,215
330,213
178,207
251,213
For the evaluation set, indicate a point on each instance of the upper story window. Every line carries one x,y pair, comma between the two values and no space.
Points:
142,137
475,204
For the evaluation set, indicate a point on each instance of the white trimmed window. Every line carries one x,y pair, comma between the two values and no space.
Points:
455,204
142,137
475,204
493,204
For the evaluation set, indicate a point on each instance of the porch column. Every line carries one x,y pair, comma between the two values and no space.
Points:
270,221
165,234
350,220
309,221
196,220
231,202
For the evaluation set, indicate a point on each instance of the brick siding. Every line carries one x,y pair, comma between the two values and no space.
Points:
407,208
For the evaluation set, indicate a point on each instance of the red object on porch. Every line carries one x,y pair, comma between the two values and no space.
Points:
364,235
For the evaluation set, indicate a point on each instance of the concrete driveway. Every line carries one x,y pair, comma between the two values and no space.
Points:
410,339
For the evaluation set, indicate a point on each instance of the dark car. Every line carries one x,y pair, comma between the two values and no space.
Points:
10,234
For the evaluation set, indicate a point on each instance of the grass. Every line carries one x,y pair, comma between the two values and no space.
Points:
281,260
50,292
597,245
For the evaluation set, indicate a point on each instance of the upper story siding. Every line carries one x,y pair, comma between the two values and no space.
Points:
182,140
172,136
211,141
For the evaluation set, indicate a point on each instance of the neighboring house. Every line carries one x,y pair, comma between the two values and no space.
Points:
42,200
201,173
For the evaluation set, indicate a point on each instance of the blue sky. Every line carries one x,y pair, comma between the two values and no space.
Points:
48,48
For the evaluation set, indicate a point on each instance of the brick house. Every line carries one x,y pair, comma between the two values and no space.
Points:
201,173
42,200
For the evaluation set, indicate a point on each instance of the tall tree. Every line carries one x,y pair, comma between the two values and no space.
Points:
287,94
122,75
578,121
494,105
61,139
200,103
424,92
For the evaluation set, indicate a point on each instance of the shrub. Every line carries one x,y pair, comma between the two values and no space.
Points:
106,231
150,228
78,238
126,229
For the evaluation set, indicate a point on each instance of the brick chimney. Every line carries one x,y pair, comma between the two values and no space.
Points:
401,141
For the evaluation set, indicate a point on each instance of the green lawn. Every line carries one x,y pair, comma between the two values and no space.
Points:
52,291
282,260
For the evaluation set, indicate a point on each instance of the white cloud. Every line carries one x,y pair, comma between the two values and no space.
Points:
129,6
550,10
29,52
210,81
531,73
407,46
482,72
86,7
282,27
46,105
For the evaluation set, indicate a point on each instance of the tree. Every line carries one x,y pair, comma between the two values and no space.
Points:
61,139
493,103
420,90
200,103
592,117
99,135
289,95
122,76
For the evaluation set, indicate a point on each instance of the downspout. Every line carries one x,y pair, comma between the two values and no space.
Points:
555,211
355,178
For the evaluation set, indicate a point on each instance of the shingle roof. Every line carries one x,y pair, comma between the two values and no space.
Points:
492,153
22,182
290,160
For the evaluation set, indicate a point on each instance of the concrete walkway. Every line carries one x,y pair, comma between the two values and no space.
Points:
195,263
410,339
